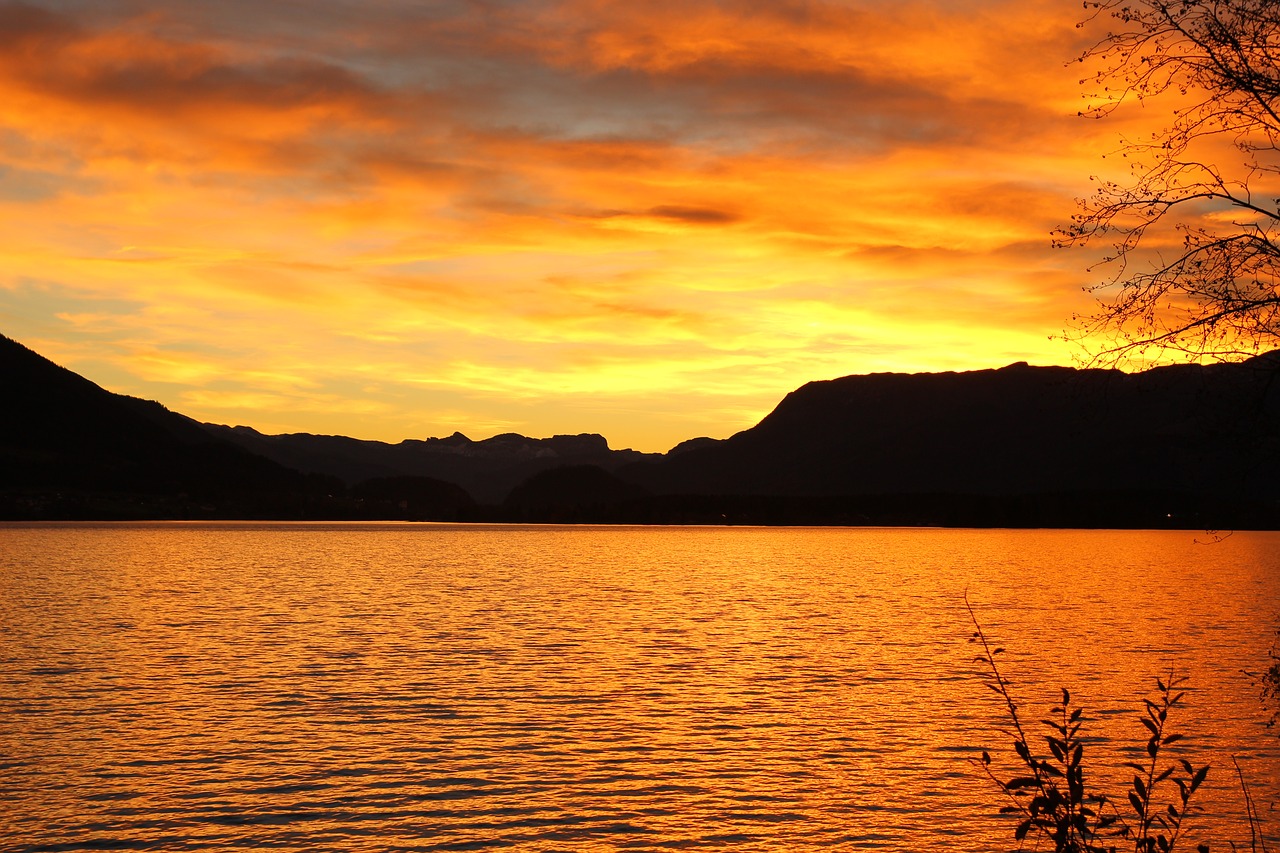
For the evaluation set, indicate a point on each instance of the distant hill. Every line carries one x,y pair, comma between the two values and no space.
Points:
573,493
68,448
412,498
488,469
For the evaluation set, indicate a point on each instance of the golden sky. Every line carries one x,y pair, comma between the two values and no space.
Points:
651,220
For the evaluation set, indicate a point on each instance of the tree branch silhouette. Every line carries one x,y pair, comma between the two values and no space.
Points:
1194,231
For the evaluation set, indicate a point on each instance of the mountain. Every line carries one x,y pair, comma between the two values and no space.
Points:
1199,433
1189,445
68,448
488,469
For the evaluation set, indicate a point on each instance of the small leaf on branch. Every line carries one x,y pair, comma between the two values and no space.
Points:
1140,787
1199,777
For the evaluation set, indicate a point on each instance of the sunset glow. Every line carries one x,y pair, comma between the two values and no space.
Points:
400,219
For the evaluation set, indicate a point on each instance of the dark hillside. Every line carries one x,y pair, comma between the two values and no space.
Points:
68,447
1016,430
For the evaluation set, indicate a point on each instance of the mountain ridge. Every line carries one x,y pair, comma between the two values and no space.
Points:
70,447
1183,445
488,468
999,431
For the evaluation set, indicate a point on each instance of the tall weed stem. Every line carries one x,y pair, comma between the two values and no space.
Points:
1050,795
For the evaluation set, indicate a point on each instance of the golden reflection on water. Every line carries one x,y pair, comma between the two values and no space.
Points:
424,687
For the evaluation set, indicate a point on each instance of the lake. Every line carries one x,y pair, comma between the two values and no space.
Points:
425,687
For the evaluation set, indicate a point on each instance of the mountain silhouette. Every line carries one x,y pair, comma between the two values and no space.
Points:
488,469
1020,430
1187,445
70,448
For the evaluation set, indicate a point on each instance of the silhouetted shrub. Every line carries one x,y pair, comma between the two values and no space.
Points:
1270,682
1051,796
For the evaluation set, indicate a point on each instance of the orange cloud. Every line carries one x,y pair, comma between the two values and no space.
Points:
549,216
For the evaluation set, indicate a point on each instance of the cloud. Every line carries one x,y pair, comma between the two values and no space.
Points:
534,211
693,215
124,68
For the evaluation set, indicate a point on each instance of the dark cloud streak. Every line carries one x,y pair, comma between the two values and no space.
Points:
693,215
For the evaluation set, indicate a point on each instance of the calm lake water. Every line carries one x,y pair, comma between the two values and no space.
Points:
427,687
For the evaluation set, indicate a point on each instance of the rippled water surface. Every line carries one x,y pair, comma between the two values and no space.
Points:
424,687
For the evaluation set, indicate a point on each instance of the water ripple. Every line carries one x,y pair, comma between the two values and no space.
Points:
423,687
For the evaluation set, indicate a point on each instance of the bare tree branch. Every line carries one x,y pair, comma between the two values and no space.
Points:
1194,233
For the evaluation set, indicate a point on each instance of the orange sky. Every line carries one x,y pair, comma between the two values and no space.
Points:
395,219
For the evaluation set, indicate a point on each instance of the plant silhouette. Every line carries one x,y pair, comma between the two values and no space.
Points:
1051,795
1270,682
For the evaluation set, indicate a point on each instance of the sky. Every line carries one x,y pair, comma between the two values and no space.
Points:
650,220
